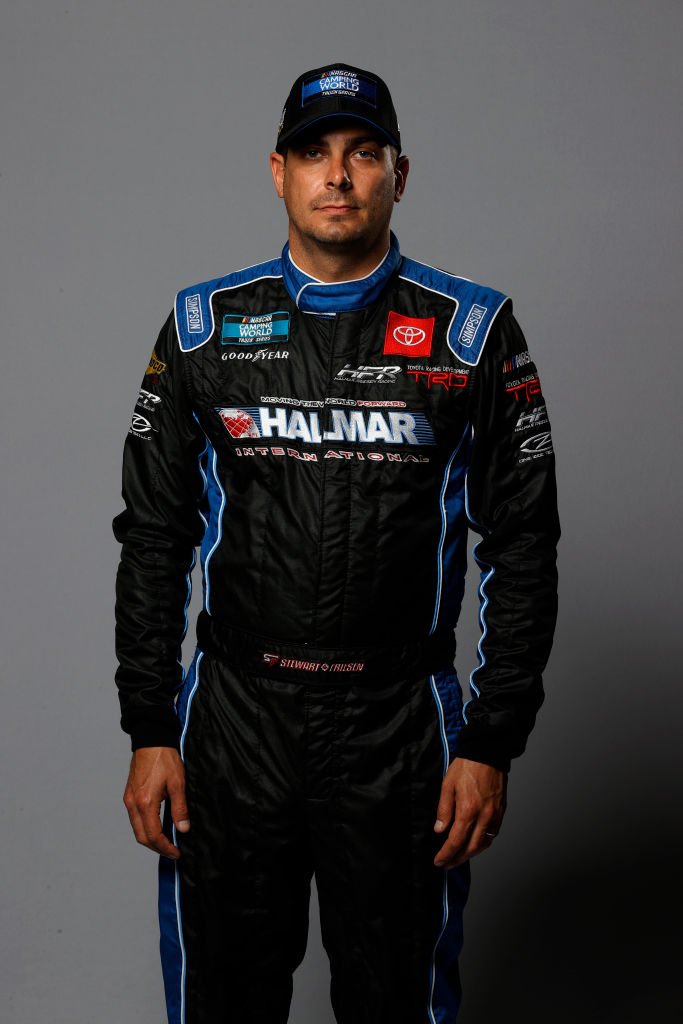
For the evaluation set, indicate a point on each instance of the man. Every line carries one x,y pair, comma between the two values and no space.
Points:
326,426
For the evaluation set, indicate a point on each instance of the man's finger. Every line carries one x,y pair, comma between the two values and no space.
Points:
148,834
179,811
154,839
458,838
134,817
154,836
481,836
446,807
156,774
160,844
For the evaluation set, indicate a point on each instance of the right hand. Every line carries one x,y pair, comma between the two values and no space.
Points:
156,774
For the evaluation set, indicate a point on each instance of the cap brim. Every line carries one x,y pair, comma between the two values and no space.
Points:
287,137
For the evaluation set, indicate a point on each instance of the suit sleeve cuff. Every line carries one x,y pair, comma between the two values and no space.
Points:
483,753
152,730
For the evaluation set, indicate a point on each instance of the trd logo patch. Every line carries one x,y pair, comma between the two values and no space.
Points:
408,335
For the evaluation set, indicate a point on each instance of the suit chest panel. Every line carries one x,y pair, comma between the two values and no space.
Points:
279,373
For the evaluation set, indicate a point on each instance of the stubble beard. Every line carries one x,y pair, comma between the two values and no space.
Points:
336,235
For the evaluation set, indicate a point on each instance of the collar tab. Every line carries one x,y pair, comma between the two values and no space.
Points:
313,296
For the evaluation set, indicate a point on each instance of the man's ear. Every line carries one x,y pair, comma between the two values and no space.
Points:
277,169
400,176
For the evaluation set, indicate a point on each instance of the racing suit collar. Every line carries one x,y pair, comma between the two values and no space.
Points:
313,296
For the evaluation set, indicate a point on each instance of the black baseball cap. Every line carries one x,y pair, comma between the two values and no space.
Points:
338,90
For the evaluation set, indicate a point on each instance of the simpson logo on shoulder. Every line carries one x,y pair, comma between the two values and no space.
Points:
193,312
472,324
240,329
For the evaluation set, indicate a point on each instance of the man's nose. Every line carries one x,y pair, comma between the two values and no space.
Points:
337,174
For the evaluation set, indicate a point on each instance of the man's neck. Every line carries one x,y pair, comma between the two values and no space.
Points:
330,264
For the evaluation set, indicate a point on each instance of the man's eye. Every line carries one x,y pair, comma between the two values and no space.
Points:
312,152
366,154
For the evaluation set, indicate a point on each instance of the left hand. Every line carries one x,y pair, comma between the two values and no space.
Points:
473,799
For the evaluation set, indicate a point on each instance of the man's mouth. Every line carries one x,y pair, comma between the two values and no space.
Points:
337,207
335,204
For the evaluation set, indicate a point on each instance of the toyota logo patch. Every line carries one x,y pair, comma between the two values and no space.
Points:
408,335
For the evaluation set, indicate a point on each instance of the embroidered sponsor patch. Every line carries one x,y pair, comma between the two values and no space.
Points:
472,325
277,661
141,427
318,403
156,365
239,423
259,355
524,389
240,329
536,447
355,425
535,417
343,455
516,362
148,400
447,379
339,82
193,313
369,374
408,335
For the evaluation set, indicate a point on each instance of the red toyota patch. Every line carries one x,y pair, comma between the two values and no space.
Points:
408,335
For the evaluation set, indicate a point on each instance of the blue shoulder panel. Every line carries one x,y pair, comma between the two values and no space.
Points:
193,309
475,307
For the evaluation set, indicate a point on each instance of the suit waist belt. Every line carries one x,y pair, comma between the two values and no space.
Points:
264,656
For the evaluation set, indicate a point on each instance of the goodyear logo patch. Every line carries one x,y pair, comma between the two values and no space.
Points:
472,324
241,329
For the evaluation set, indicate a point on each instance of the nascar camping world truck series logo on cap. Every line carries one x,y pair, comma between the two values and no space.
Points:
339,82
242,329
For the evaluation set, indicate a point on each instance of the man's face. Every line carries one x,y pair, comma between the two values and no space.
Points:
340,186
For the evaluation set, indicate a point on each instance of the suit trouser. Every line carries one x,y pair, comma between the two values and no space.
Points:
326,776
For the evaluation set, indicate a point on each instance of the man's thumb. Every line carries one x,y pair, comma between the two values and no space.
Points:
179,812
444,812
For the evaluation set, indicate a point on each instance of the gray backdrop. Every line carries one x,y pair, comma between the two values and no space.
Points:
546,147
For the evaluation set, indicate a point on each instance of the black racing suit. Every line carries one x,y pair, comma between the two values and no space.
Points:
327,446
